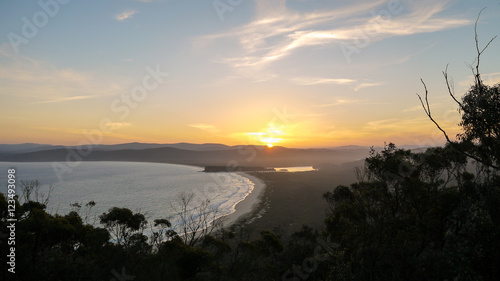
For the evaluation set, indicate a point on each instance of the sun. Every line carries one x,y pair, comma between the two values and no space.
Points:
270,141
269,136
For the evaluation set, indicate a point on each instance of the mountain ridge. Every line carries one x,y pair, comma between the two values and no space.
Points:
230,156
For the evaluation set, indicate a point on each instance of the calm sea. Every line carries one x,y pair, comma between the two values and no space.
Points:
149,188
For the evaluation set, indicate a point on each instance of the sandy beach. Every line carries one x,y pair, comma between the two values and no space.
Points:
249,204
286,201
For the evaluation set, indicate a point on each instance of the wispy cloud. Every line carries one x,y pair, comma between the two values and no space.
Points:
419,107
109,134
306,81
408,57
399,126
375,125
40,82
365,85
490,79
338,102
205,127
277,32
414,108
65,99
116,125
126,15
357,85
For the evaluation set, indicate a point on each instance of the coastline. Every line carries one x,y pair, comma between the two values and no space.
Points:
249,203
245,208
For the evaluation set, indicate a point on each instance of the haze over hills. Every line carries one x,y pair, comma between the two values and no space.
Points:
33,147
186,153
26,147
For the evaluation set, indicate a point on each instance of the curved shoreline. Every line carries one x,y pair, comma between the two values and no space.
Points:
242,208
249,203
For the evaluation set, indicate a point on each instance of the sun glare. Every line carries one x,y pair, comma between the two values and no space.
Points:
271,140
269,136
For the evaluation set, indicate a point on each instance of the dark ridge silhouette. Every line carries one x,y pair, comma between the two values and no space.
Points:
26,147
33,147
235,156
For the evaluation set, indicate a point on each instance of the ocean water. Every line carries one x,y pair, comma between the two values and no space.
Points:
149,188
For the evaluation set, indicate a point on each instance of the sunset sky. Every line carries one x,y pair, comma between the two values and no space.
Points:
292,73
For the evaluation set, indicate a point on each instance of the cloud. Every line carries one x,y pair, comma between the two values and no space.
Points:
110,135
306,81
277,32
110,127
39,82
65,99
116,125
408,57
313,115
414,108
365,85
489,79
126,15
205,127
338,102
396,125
310,81
374,125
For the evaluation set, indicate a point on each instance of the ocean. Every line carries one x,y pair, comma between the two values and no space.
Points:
149,188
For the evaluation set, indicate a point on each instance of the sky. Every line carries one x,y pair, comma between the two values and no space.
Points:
289,73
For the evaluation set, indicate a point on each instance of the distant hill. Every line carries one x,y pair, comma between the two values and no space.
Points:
351,147
194,154
26,147
141,146
33,147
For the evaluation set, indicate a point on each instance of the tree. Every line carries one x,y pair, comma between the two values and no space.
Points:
161,233
392,225
480,109
123,224
77,207
426,215
195,219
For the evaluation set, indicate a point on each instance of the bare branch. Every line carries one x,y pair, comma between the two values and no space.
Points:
450,87
479,52
427,110
196,219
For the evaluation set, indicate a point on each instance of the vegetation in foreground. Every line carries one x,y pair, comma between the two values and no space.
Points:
432,215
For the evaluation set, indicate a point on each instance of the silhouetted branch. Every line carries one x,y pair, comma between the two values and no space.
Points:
478,85
477,76
427,110
451,89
